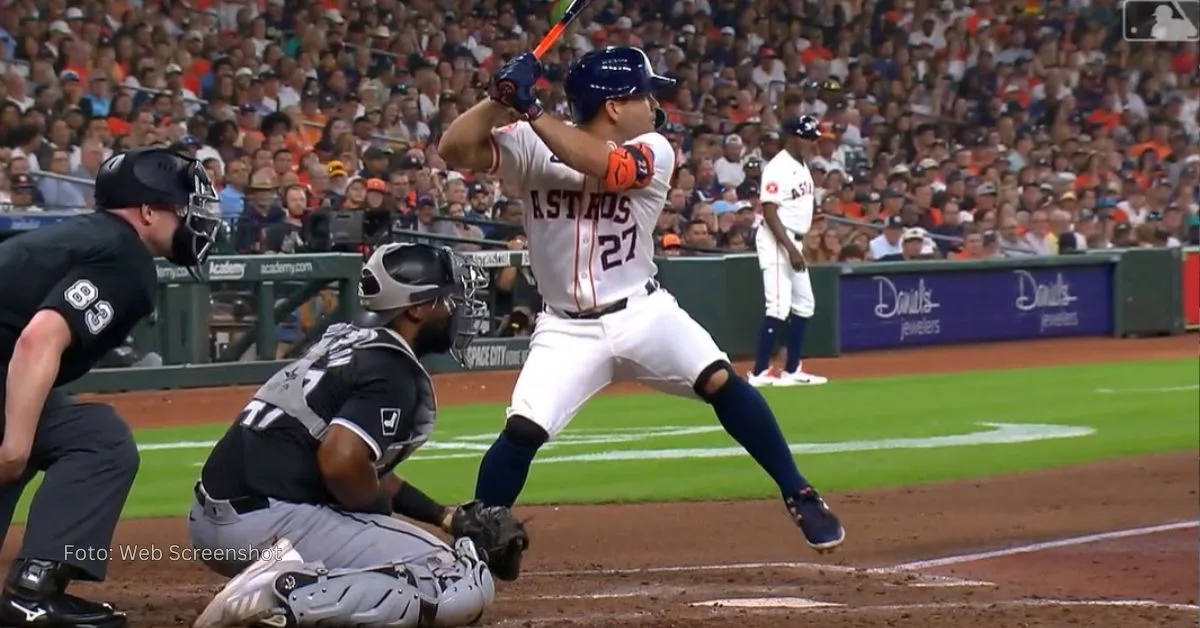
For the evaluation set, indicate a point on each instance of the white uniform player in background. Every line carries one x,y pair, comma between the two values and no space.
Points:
592,194
788,202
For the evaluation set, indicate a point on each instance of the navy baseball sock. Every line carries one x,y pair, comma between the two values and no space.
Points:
746,416
766,343
795,342
503,472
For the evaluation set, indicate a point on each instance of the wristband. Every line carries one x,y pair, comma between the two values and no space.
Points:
412,503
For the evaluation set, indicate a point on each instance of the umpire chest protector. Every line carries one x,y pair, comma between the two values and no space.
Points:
289,388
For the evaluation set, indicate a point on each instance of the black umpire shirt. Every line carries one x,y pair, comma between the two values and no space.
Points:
94,270
266,453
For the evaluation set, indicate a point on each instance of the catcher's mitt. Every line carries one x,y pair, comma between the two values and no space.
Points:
496,533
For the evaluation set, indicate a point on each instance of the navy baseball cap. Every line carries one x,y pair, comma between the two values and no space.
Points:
893,222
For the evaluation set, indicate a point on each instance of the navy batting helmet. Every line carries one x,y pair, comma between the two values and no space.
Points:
805,127
607,74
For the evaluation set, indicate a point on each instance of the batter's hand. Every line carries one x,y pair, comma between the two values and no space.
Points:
797,260
512,86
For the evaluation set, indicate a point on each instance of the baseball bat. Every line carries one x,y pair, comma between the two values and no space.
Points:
574,8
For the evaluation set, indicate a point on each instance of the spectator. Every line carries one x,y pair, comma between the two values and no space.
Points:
1039,237
259,213
457,215
60,193
887,243
22,193
912,243
427,223
291,234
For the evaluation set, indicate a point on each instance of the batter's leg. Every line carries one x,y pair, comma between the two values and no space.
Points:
671,349
90,460
568,362
803,307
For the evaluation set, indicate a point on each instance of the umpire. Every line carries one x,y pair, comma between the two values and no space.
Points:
72,292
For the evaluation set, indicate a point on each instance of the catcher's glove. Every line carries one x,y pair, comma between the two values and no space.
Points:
496,533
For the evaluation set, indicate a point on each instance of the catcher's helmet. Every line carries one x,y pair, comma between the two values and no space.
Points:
610,73
805,127
400,275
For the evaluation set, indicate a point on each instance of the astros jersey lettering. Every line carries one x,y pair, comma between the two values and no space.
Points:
789,184
587,247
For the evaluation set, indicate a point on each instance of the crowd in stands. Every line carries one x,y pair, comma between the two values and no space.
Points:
952,128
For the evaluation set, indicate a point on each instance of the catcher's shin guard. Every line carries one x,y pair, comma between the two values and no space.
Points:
389,595
466,594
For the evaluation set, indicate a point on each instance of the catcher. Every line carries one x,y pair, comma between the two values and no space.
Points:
295,502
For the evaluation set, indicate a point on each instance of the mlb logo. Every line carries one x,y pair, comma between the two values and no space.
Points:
1161,20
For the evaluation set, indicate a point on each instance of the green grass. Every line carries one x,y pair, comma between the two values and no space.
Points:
1124,424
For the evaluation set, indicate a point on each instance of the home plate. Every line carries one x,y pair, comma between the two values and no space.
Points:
766,602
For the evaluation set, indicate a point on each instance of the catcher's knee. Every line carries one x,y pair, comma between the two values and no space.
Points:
462,601
456,594
384,596
524,433
712,379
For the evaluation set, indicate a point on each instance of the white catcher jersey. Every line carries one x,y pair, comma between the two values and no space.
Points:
789,184
587,247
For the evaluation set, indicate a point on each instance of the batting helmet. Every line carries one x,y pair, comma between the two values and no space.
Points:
608,74
400,275
805,127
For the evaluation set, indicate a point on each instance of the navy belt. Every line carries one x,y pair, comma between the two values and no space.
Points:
240,505
611,308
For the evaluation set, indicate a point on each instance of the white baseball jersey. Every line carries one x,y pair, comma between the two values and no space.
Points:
587,247
789,184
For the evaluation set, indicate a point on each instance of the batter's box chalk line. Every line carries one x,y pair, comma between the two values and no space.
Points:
794,603
1036,547
913,579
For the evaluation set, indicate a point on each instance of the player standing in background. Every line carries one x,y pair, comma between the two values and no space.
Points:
593,193
310,462
787,195
73,291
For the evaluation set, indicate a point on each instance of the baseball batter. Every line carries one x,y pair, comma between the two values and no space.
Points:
592,194
72,293
302,482
787,195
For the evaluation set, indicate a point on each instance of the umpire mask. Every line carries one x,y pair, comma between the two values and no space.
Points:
199,223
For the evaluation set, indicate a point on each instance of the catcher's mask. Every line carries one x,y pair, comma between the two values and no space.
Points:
400,275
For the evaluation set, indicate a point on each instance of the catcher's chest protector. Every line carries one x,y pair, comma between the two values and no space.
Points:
290,387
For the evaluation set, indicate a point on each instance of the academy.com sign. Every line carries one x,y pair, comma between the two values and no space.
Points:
977,305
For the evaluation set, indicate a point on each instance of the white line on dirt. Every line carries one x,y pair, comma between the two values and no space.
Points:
1036,547
920,580
933,606
1158,389
582,596
689,569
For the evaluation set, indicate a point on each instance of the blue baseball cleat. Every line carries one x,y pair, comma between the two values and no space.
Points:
822,529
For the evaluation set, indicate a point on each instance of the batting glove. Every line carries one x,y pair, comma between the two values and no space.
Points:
513,85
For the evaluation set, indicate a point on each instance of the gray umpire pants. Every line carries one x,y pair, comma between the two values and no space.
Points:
89,460
227,540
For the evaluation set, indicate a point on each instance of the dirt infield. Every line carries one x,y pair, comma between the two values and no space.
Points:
917,557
